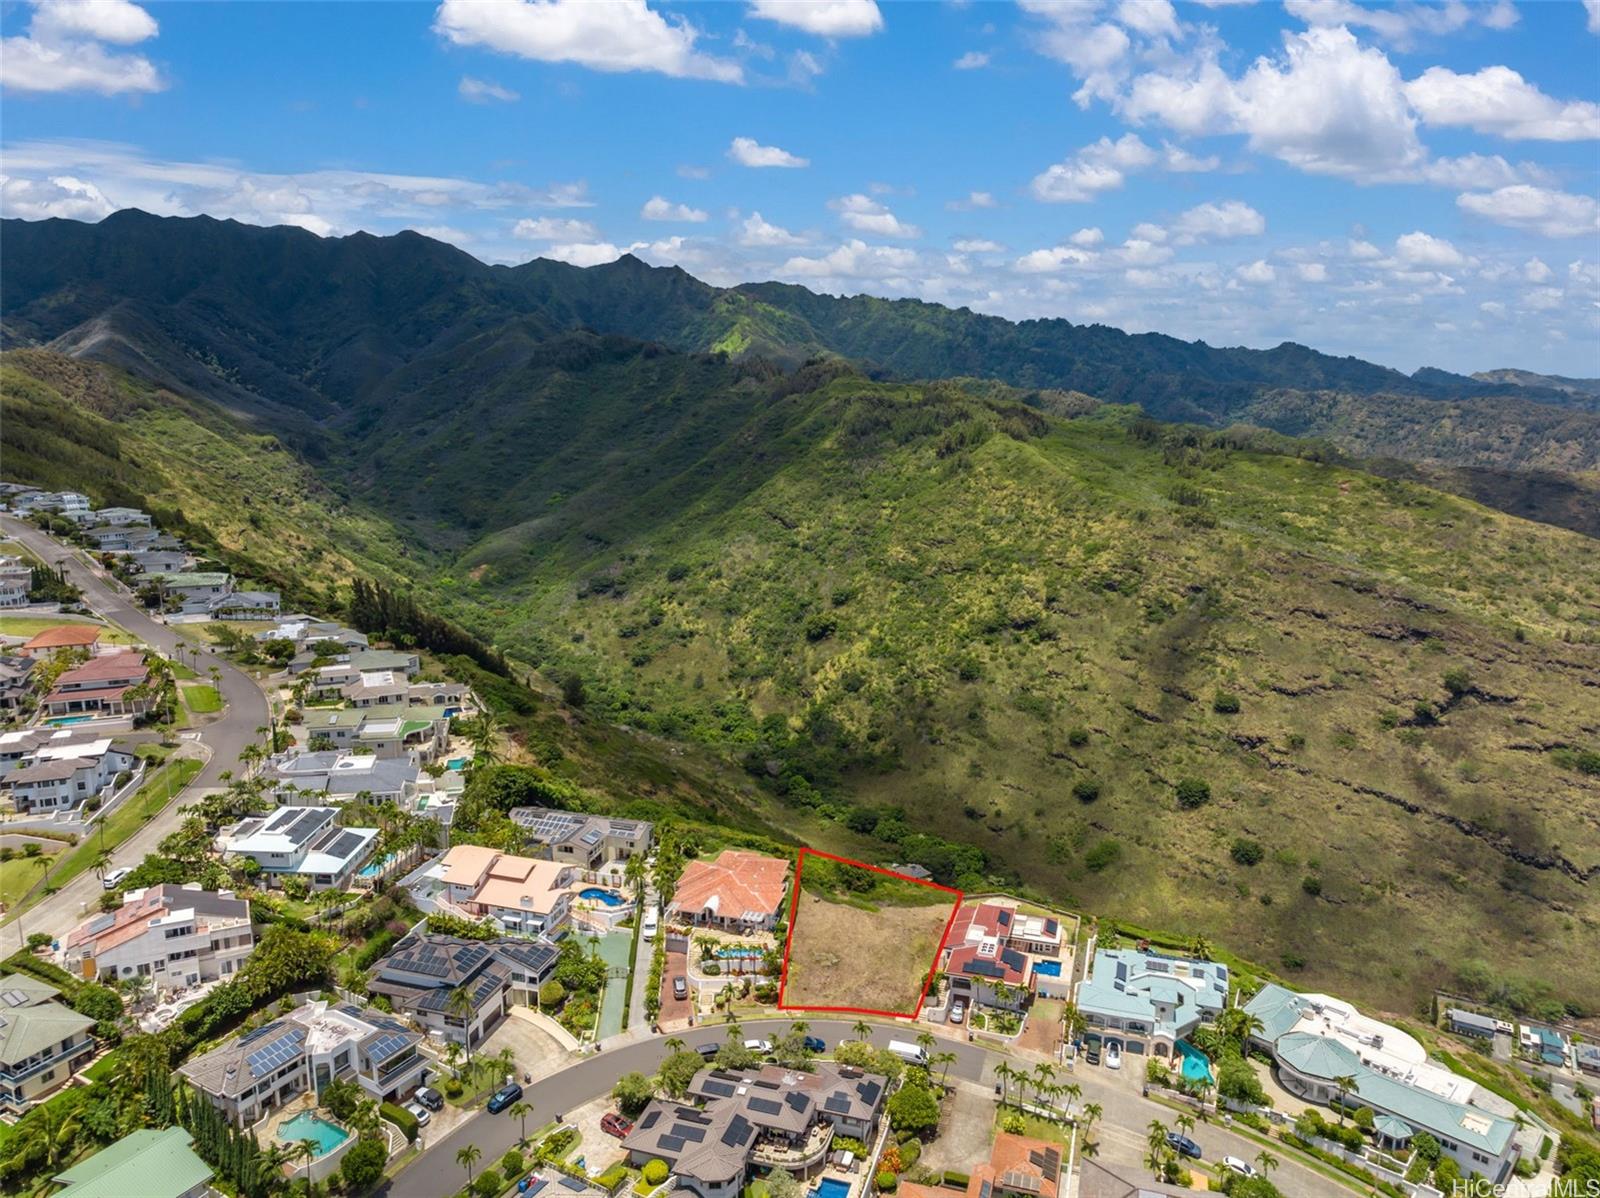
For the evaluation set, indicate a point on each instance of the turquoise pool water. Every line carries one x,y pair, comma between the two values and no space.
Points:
306,1126
738,952
609,898
373,868
1049,969
830,1187
1195,1065
456,763
70,719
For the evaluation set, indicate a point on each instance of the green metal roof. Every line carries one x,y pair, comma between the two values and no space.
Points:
1318,1056
149,1163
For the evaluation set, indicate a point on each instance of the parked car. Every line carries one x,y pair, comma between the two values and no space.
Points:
680,987
1235,1165
418,1112
614,1124
430,1098
815,1044
1113,1057
760,1047
1183,1145
958,1011
709,1050
113,878
504,1097
1091,1053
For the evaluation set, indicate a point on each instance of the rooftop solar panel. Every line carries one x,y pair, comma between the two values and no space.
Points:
670,1144
719,1088
837,1103
766,1106
737,1133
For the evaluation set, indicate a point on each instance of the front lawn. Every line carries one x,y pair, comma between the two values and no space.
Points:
202,698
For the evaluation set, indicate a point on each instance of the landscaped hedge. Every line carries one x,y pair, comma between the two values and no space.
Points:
376,947
953,1177
401,1118
612,1177
23,961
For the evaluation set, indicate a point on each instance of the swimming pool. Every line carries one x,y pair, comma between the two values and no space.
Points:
324,1136
725,953
456,763
830,1187
609,898
1195,1065
1049,969
69,719
373,868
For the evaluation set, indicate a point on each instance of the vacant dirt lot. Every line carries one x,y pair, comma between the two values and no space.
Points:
844,956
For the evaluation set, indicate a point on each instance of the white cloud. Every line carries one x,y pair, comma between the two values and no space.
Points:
553,228
1219,222
1259,272
589,253
1101,166
1180,161
1423,249
1098,53
1536,271
866,215
1051,260
1312,272
659,208
1138,252
1364,250
825,18
618,35
1087,238
1153,18
1538,209
1146,231
972,60
1500,101
804,66
978,245
62,50
688,170
755,231
1402,24
1593,9
853,260
444,233
482,91
59,196
746,151
973,200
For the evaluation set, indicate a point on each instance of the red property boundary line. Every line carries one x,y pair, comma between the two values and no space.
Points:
794,918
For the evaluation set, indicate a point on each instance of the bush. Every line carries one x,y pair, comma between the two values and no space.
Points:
1104,853
1192,793
39,939
488,1183
375,948
1085,790
552,994
656,1171
401,1118
612,1177
1077,736
362,1166
887,1181
1247,852
1225,704
453,1088
953,1177
1311,884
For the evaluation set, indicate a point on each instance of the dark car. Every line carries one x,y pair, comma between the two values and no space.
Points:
709,1050
813,1044
1183,1145
504,1097
430,1098
614,1124
680,987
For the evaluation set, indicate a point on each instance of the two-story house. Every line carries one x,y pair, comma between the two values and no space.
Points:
591,842
101,686
305,842
525,896
424,969
42,1042
174,935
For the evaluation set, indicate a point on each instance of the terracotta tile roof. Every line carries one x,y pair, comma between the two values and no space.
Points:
735,883
110,665
1019,1165
64,636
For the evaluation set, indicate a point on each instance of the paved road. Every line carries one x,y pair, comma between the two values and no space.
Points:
1121,1131
225,737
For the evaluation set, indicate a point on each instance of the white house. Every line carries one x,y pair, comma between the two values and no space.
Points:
174,935
62,777
304,842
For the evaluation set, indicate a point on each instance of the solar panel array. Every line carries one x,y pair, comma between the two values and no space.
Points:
346,844
765,1105
797,1101
837,1103
277,1054
737,1132
720,1089
387,1045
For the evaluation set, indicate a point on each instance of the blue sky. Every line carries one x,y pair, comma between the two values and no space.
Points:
1412,183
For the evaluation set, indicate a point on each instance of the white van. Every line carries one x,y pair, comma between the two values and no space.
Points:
652,921
113,879
911,1054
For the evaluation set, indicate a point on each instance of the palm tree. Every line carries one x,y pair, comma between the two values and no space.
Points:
1005,1073
735,1031
1044,1074
673,1044
1345,1084
1266,1162
925,1041
1201,947
452,1057
467,1157
102,864
1184,1123
57,1131
1071,1092
862,1029
1091,1116
946,1059
1156,1135
520,1112
459,1004
507,1060
304,1151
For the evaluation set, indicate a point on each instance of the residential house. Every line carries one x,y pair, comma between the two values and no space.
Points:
16,580
523,895
1543,1044
422,972
101,686
42,1042
60,777
995,941
160,561
1470,1023
17,747
62,638
332,776
1096,1179
118,516
302,1052
755,1120
246,605
193,592
1149,1001
1587,1057
16,681
150,1163
417,734
174,935
376,688
591,842
304,842
120,538
1316,1041
386,659
739,891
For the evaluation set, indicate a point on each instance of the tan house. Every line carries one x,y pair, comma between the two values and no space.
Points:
42,1042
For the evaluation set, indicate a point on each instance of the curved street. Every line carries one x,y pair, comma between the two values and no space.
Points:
224,738
1120,1132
